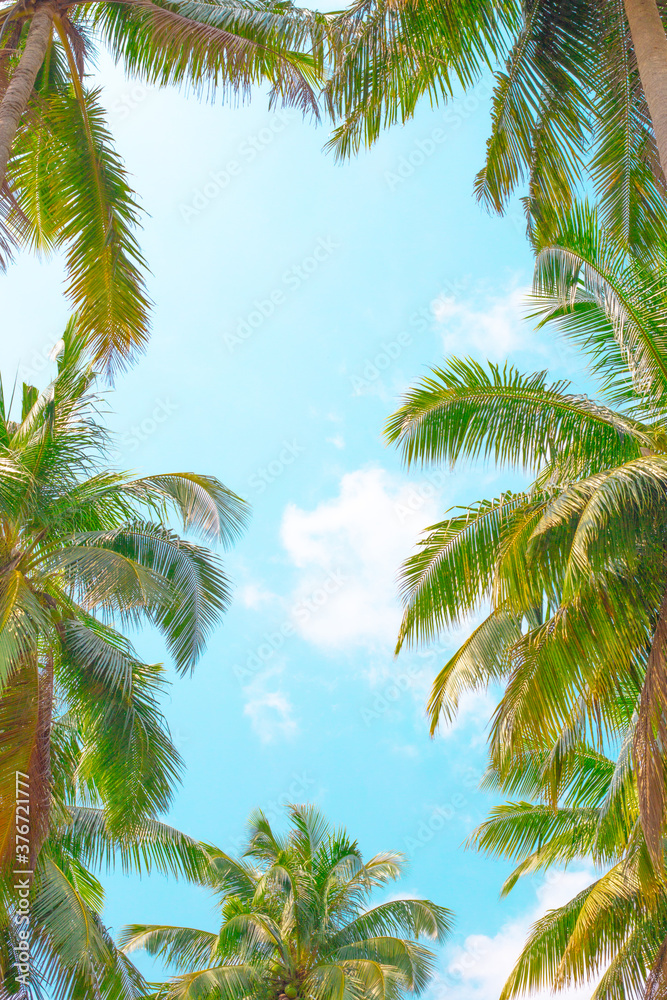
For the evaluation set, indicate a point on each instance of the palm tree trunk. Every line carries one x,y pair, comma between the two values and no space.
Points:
17,95
657,979
650,44
650,743
39,768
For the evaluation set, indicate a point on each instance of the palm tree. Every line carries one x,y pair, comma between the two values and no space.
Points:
62,185
582,98
84,552
295,923
613,931
573,567
57,942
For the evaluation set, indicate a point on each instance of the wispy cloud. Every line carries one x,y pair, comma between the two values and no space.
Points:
269,709
489,326
253,596
495,326
478,969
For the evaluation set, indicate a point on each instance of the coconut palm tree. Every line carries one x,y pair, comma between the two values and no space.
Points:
296,922
52,936
581,99
86,552
62,185
573,567
612,933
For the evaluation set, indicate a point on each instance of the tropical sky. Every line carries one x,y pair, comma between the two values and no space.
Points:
296,299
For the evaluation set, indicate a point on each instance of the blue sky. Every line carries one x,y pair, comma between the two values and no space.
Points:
295,300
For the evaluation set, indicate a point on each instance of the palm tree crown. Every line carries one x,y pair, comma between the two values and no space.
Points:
295,923
574,566
62,185
612,933
84,552
71,953
569,107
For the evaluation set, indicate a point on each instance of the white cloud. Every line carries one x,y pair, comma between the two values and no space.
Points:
496,328
474,714
349,550
478,970
254,596
493,331
269,709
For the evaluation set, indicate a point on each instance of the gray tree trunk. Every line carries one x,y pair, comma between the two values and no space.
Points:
16,97
650,45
